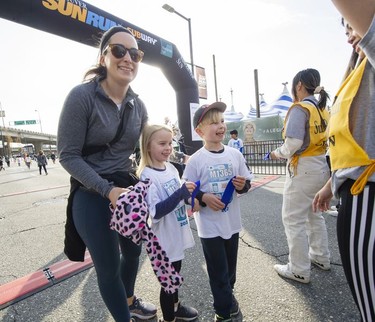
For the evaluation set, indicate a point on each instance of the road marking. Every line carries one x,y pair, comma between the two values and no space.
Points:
32,191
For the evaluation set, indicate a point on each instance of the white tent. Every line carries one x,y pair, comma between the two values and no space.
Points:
282,104
278,107
232,115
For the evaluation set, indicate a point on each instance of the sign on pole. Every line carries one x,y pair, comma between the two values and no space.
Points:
19,122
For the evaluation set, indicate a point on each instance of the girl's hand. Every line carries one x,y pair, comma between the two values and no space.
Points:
115,193
239,182
190,186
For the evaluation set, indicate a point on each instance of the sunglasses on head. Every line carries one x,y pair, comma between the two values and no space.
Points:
119,51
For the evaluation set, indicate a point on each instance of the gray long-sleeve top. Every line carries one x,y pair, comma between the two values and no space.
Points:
90,118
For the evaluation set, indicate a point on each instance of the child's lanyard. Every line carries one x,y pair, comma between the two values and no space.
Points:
193,195
228,192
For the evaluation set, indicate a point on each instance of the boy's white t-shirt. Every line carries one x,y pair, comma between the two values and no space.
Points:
236,143
172,230
214,170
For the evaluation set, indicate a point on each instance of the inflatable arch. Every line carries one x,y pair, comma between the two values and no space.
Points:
82,22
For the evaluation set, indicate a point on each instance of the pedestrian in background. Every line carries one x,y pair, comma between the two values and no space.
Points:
28,162
352,153
305,145
1,163
41,159
166,200
100,124
235,141
223,173
7,161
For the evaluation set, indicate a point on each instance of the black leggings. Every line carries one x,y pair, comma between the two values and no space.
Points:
167,301
356,238
116,274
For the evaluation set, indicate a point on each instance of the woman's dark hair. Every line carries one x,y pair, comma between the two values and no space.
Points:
99,71
310,79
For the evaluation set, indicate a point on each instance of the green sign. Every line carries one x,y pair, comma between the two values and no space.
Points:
19,122
30,122
259,129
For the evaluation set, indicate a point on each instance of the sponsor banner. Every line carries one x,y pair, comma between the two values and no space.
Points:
202,82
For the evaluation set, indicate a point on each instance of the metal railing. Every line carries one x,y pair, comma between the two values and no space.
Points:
255,152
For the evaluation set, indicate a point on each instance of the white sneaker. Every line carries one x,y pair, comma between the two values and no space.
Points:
324,267
284,271
333,213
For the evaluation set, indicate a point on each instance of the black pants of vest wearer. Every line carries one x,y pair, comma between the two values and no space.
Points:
167,300
221,260
116,274
356,238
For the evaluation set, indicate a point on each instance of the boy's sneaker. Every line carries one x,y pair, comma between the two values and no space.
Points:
235,309
218,318
142,310
186,313
323,266
284,271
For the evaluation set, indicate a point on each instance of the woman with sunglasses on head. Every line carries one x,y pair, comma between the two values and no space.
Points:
307,172
352,152
99,125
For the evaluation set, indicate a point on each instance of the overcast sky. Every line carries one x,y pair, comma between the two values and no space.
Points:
276,37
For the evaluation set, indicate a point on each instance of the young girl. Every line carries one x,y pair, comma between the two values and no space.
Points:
167,208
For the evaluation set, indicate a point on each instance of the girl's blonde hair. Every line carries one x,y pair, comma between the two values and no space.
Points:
147,132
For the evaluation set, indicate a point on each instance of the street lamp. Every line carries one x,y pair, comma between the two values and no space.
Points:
40,121
172,10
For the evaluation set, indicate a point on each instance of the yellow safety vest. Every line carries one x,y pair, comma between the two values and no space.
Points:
344,150
318,135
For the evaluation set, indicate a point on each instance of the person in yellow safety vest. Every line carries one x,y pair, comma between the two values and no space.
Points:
352,152
304,148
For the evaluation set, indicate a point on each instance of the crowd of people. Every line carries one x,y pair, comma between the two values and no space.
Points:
103,119
40,159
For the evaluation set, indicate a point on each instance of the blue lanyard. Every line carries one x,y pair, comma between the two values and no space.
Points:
193,195
228,192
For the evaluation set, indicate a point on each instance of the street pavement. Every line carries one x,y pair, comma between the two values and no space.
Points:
32,218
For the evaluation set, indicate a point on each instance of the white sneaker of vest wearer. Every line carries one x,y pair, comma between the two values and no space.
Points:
284,271
333,213
321,265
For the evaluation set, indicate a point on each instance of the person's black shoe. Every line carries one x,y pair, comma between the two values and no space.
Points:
142,310
235,309
186,313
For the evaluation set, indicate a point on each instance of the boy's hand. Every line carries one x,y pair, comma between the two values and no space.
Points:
196,207
213,201
239,182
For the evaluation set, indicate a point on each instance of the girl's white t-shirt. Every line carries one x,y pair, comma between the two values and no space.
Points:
172,230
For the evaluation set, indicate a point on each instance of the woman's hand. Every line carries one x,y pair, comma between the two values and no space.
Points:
115,193
273,156
322,198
